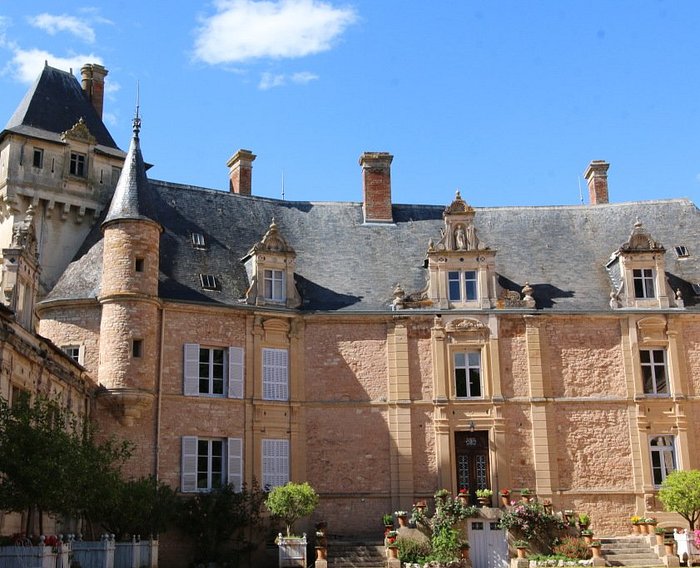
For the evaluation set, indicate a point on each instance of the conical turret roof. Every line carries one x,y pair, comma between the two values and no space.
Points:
130,199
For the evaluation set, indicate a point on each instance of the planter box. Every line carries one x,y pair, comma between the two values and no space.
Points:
292,551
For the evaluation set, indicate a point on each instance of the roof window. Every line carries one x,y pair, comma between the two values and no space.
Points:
682,251
209,282
198,241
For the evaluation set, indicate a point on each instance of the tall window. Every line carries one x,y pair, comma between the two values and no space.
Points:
274,285
38,158
654,371
462,285
275,374
663,457
213,371
77,164
468,374
209,463
275,462
643,282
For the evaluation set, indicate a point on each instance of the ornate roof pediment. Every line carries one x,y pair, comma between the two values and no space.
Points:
459,233
458,206
80,132
640,241
272,242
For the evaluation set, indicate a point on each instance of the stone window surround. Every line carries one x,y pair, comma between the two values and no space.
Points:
467,367
654,371
659,456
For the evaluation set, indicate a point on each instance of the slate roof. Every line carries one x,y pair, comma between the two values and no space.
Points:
53,105
346,265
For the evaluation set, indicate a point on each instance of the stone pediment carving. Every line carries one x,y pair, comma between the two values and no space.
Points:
402,300
272,242
80,132
24,236
458,206
652,329
466,324
459,233
640,241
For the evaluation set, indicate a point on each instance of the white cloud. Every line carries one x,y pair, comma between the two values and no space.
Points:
271,80
52,25
26,65
243,30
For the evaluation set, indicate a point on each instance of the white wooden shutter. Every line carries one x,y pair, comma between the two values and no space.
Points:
189,464
236,371
275,374
275,462
191,366
235,462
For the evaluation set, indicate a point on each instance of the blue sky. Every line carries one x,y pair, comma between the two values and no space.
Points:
507,101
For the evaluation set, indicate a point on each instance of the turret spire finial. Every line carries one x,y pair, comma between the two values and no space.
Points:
137,118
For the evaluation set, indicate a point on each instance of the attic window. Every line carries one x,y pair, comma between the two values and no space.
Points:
696,289
209,282
198,241
682,251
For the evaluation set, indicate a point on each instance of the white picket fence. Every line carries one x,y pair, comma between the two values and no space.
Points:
104,553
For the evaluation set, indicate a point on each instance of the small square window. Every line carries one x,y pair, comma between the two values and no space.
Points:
198,241
682,251
138,265
137,348
38,158
209,282
73,351
77,164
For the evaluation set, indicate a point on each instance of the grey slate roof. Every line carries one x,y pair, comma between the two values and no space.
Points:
53,105
346,265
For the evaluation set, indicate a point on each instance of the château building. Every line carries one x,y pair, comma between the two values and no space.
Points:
379,351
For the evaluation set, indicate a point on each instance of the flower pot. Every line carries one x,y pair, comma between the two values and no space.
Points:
643,528
463,499
522,552
595,550
636,529
505,500
588,538
403,521
464,551
393,551
388,528
659,539
668,547
321,553
484,501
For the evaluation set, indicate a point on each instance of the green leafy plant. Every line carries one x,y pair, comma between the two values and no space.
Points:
531,522
586,532
525,492
387,519
484,493
521,544
291,502
680,492
595,544
412,550
572,548
584,519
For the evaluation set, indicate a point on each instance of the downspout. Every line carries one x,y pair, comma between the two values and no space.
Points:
159,396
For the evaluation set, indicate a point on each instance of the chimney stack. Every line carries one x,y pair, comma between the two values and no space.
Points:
240,172
94,85
376,186
596,175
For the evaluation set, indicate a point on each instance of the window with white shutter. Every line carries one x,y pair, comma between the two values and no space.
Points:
213,371
188,473
275,374
275,462
236,368
235,462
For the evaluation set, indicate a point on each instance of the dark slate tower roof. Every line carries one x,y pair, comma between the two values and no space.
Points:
53,105
131,196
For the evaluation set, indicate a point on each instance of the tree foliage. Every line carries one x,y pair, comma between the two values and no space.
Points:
220,520
680,492
291,502
50,461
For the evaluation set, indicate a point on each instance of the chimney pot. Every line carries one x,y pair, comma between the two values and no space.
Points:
596,176
376,186
240,172
93,82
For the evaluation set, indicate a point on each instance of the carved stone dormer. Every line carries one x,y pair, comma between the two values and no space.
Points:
270,266
80,133
462,271
20,270
637,271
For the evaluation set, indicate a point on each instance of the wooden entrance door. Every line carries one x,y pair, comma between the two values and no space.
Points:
472,461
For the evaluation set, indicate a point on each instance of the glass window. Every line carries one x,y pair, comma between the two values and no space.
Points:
38,158
454,286
462,285
663,457
654,371
643,282
77,164
468,374
210,464
470,285
211,370
209,282
274,285
73,351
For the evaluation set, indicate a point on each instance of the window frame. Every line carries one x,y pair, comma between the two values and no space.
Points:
233,368
74,351
661,469
78,164
274,281
231,463
275,374
467,285
643,282
462,372
650,372
275,462
212,365
38,152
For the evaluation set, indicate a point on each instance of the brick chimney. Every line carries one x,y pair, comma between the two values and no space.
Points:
94,85
240,172
596,175
376,186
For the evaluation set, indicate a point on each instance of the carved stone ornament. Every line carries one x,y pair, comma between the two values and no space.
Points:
459,233
272,241
466,325
23,235
640,241
458,206
80,132
511,299
401,300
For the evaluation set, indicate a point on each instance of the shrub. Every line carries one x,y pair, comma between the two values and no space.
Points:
574,548
531,522
291,502
412,550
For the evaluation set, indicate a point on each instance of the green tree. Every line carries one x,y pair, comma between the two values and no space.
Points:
291,502
50,461
680,492
221,520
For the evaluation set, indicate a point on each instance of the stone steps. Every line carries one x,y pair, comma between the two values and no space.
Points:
629,551
357,554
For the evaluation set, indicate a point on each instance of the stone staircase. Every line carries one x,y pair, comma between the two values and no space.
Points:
629,551
356,554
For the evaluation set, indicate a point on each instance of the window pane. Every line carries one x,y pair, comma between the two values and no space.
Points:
461,382
459,359
474,359
470,284
454,288
474,382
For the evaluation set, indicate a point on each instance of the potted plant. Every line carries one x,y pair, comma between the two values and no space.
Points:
388,522
584,521
420,506
595,548
290,503
635,520
660,534
587,535
402,516
464,549
505,497
668,546
391,537
525,495
463,495
521,546
569,516
484,496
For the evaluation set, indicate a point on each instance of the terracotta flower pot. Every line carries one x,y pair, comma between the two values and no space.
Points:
595,550
505,500
635,528
522,552
393,551
321,553
668,547
464,552
659,539
403,521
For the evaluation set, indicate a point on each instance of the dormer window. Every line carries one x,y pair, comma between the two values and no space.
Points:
462,285
274,285
209,282
77,164
682,251
198,241
643,282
